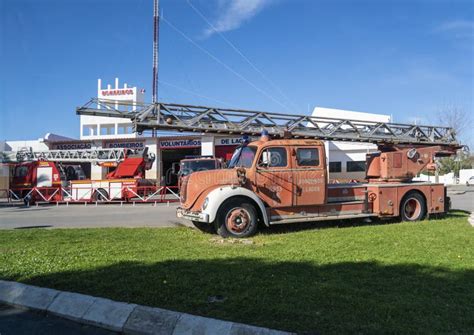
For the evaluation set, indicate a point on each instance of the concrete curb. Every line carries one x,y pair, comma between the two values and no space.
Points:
471,219
119,316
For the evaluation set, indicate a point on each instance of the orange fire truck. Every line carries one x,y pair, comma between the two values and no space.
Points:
283,177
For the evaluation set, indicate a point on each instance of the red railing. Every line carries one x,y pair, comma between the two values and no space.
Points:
120,194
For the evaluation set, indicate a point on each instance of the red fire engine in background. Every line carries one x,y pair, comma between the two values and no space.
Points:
57,175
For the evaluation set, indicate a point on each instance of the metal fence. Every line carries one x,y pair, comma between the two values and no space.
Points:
123,194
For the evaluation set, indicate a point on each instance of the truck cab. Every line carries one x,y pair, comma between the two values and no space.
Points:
272,177
29,176
286,180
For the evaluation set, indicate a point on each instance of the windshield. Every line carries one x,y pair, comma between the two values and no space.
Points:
188,167
243,156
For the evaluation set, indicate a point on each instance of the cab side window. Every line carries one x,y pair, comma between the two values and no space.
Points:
307,156
273,157
21,171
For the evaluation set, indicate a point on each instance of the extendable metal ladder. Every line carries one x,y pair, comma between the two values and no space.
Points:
202,119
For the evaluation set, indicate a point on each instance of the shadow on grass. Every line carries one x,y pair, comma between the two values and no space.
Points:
34,227
301,226
350,297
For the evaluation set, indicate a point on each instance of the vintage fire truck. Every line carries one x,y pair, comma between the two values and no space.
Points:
55,175
193,164
283,177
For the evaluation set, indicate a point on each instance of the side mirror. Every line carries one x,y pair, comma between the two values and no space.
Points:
265,160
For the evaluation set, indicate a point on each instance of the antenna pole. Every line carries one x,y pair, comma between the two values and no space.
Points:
156,31
156,34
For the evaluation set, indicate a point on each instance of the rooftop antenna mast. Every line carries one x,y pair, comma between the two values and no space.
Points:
156,34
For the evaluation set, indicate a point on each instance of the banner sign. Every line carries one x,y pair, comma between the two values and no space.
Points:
126,91
72,146
124,145
231,141
184,143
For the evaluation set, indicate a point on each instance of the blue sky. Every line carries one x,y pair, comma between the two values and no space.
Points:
404,58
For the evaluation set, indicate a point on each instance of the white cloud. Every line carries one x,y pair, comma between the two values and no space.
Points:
458,28
235,12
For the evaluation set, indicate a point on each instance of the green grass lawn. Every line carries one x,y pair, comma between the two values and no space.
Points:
387,278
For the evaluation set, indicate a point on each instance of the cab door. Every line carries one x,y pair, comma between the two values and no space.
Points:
309,176
273,177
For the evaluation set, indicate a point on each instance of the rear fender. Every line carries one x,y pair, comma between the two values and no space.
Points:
221,194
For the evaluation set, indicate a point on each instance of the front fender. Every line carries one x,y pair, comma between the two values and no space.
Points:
221,194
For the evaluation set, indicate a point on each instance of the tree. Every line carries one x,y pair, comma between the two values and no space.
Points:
457,118
450,164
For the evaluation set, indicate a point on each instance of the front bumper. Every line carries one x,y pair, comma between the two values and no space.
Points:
193,216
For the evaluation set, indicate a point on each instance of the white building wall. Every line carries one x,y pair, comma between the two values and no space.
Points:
4,171
207,145
155,171
98,127
465,174
35,145
344,152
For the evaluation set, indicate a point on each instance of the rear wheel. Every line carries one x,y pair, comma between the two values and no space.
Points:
237,218
208,228
100,195
413,207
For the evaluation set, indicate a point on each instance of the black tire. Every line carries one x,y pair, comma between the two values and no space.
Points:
413,207
32,194
207,228
237,218
100,195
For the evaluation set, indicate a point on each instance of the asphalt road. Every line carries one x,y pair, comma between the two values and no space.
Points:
462,197
141,215
464,201
15,321
80,216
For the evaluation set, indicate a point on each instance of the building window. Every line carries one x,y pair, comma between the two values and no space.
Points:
107,129
355,166
307,156
335,166
89,130
124,128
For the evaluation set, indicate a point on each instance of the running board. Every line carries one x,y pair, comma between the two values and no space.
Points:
324,218
335,201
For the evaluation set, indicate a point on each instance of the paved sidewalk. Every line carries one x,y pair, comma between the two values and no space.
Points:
119,316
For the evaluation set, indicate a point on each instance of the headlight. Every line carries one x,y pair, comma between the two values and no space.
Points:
205,203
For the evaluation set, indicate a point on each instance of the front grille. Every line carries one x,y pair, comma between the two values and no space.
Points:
184,190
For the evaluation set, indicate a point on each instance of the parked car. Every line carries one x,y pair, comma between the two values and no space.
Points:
470,181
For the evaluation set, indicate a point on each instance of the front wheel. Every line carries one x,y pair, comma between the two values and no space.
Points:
237,219
413,207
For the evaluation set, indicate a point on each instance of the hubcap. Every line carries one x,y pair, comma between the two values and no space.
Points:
237,220
412,209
